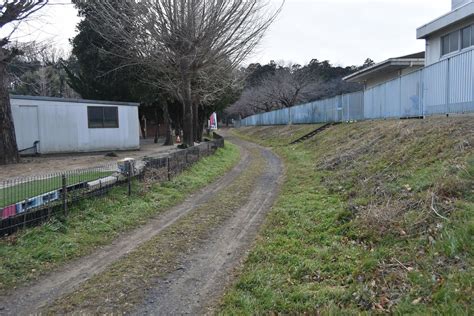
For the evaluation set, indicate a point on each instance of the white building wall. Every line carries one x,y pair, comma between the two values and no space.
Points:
63,127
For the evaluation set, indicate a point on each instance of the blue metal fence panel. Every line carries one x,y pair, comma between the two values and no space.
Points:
461,83
303,114
368,103
392,99
353,106
435,83
410,94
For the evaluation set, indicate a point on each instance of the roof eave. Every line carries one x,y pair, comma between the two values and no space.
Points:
70,100
355,77
464,12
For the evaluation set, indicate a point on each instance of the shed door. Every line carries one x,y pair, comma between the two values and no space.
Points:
26,127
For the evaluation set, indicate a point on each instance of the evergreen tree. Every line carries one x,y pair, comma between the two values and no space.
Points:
101,73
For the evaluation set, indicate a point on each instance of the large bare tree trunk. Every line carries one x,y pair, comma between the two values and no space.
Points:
157,126
201,122
188,122
8,146
169,131
196,122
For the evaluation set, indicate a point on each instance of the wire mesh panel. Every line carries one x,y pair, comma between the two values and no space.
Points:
28,201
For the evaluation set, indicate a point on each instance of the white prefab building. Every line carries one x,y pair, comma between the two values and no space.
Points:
451,34
55,125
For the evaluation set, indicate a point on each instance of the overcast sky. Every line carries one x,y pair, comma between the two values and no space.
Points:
345,32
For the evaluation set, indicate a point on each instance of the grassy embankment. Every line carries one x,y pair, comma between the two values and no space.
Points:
374,217
97,221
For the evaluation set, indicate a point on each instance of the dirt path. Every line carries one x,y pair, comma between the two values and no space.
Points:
205,271
196,287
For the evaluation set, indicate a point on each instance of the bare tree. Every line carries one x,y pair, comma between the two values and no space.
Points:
187,41
287,86
11,13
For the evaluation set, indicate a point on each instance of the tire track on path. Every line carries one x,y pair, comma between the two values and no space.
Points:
198,286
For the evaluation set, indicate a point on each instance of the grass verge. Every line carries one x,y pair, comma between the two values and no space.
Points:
126,282
374,217
97,221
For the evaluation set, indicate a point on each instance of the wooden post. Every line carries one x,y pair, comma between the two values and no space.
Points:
64,183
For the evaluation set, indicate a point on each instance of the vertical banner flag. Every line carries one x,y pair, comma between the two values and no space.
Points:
213,121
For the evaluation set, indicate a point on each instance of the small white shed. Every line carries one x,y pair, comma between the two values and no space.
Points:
56,125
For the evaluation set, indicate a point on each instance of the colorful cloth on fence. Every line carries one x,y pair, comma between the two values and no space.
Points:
9,211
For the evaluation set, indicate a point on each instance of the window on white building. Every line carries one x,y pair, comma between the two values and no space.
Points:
457,40
450,42
102,117
468,37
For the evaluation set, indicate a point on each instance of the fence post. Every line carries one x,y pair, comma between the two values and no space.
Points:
129,177
186,157
64,185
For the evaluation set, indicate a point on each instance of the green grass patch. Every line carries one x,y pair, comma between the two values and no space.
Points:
97,221
28,189
353,230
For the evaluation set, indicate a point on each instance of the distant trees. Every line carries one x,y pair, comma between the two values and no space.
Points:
275,86
11,13
39,71
191,45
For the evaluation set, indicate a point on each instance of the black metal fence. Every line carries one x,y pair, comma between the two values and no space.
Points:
29,201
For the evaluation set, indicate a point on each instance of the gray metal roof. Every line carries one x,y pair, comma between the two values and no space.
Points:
392,64
52,99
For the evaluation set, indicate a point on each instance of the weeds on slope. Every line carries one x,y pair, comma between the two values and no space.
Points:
97,221
374,217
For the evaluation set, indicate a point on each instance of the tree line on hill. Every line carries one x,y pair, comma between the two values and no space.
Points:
275,85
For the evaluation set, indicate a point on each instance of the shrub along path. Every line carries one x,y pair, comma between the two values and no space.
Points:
160,267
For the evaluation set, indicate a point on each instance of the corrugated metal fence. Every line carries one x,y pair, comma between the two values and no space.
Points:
442,88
